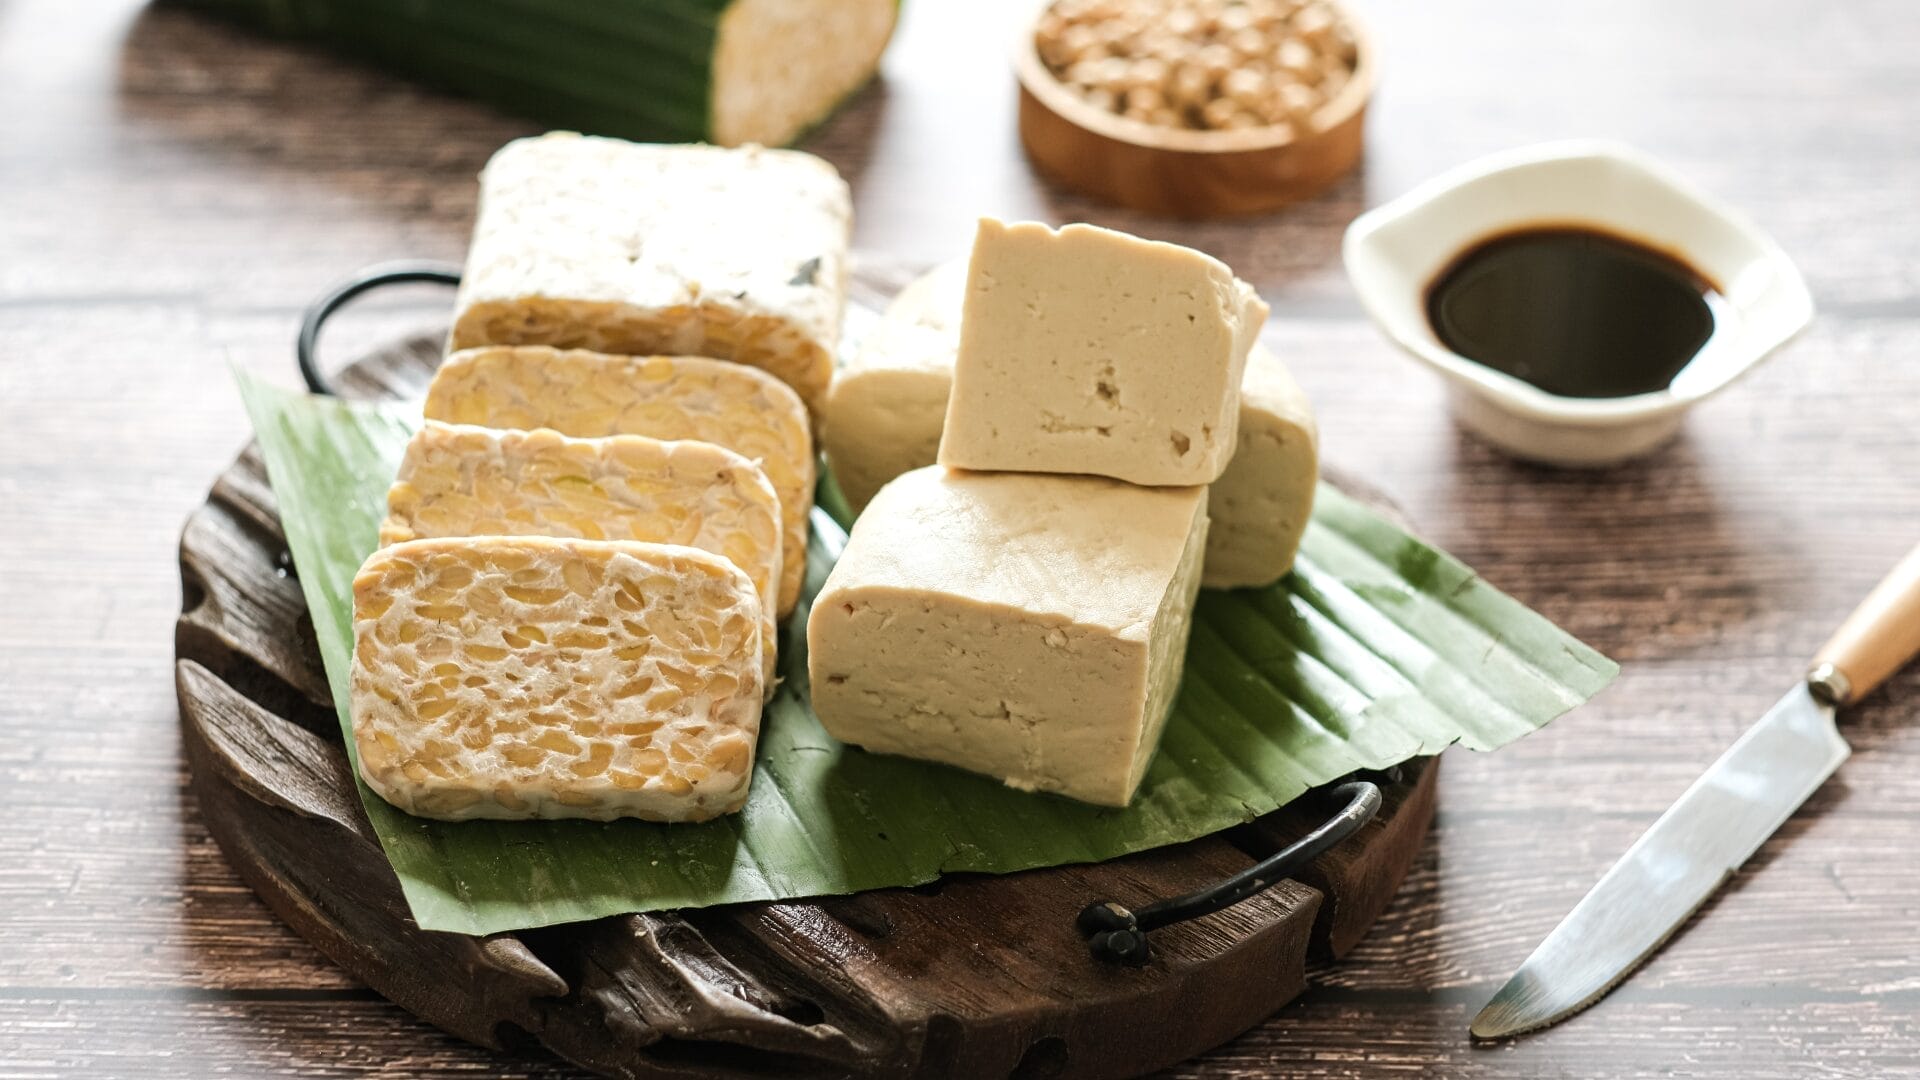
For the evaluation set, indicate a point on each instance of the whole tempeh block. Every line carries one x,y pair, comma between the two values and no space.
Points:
533,677
459,480
1084,350
621,247
720,71
590,395
1028,627
889,402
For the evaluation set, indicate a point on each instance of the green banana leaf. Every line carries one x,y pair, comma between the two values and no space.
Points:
1377,649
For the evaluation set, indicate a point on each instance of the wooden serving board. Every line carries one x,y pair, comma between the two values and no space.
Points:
972,976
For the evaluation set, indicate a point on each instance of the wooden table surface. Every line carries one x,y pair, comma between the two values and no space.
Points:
171,191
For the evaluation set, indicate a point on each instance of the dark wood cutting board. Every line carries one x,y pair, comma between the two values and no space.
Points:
971,976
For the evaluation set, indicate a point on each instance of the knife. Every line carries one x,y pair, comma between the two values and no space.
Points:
1721,820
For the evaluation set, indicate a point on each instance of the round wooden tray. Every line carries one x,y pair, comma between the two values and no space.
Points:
971,976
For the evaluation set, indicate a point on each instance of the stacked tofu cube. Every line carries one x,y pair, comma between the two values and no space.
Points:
1022,608
591,540
889,403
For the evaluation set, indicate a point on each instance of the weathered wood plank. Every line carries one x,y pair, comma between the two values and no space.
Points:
173,191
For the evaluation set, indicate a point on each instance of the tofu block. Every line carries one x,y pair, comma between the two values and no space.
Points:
1261,505
534,677
596,243
591,395
1084,350
888,405
1028,627
459,480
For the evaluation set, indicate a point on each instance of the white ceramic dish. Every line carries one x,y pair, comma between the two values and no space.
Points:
1393,252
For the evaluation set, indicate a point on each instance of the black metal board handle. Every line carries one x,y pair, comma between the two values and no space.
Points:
1119,935
335,298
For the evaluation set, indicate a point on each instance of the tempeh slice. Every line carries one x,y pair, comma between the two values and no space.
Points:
459,480
533,677
591,395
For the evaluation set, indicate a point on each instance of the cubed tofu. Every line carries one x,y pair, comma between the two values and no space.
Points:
1261,505
534,677
889,403
593,395
1084,350
459,480
1025,626
596,243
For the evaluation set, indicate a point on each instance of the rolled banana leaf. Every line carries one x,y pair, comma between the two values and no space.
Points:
719,71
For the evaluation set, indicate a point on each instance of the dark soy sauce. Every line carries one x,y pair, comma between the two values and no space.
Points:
1575,311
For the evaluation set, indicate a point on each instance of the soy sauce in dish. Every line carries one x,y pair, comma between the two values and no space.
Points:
1575,311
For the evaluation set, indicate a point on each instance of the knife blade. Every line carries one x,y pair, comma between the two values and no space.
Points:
1671,870
1717,824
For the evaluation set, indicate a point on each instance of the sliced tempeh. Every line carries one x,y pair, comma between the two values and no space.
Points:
533,677
459,480
590,395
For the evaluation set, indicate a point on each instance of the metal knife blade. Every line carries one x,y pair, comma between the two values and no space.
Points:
1694,847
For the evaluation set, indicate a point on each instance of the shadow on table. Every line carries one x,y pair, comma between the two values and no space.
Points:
283,118
1645,560
1292,255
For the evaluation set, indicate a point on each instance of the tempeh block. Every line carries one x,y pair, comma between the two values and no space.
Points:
621,247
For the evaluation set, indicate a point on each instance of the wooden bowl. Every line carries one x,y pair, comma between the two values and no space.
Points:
1179,172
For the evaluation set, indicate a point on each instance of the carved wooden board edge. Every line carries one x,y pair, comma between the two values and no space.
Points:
970,976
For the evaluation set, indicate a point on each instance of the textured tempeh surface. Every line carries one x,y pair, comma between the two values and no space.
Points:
531,676
182,188
592,395
594,243
461,480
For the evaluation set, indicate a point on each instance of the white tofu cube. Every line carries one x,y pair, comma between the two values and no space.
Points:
889,403
1028,627
1084,350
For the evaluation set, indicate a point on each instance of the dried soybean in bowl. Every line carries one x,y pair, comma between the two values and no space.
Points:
1207,65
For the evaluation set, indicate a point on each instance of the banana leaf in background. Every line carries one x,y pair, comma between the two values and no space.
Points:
650,70
1377,649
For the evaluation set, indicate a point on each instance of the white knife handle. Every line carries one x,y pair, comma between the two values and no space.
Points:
1878,639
